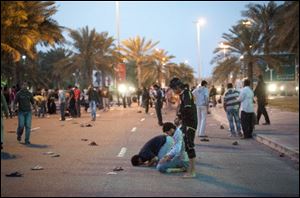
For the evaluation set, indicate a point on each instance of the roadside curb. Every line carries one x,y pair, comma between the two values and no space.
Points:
294,155
291,153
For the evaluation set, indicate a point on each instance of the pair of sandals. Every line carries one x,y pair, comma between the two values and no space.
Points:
14,174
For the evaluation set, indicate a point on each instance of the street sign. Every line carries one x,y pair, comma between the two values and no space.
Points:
121,72
287,72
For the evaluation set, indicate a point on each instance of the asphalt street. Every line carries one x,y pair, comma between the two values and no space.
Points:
223,169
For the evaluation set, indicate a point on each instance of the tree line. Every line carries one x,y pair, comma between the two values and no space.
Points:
266,31
27,24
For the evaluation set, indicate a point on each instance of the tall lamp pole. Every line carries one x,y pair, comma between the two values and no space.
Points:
201,22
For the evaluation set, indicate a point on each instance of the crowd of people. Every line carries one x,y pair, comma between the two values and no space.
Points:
172,152
178,154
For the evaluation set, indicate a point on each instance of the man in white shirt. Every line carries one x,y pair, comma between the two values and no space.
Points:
202,97
247,109
176,160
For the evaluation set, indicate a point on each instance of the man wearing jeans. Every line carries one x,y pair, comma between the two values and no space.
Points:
93,99
202,97
231,106
24,99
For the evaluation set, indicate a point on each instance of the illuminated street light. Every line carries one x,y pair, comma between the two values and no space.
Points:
272,87
224,47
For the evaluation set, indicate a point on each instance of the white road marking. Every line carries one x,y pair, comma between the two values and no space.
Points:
142,119
36,128
122,152
133,129
111,173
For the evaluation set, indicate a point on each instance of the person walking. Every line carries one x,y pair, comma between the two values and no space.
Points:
202,102
187,113
77,94
93,100
145,99
247,110
62,103
158,103
24,99
5,111
260,93
213,94
71,101
231,106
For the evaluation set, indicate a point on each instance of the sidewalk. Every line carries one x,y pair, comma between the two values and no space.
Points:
282,135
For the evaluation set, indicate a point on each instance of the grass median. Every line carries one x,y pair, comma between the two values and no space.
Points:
285,103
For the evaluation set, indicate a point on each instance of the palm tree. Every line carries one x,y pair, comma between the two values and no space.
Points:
287,28
263,17
93,51
224,68
24,24
56,65
243,41
181,71
156,68
138,50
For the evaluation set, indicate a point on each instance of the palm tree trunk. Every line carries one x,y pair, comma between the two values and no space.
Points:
159,76
139,75
250,73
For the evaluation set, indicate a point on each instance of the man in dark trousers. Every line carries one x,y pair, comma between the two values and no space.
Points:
158,103
145,99
188,115
260,93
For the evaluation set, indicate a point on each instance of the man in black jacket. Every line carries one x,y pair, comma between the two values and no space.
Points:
158,103
260,93
188,115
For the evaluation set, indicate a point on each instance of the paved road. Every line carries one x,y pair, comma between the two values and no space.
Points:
248,169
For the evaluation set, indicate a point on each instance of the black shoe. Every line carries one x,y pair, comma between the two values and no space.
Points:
27,143
266,123
19,138
1,146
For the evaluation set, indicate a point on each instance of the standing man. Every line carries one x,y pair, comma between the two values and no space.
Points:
260,93
62,103
93,99
158,103
4,109
231,107
24,99
246,98
77,94
188,115
213,94
202,98
145,99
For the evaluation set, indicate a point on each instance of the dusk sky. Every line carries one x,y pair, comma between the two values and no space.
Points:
171,23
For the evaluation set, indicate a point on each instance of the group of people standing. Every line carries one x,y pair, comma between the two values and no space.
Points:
174,151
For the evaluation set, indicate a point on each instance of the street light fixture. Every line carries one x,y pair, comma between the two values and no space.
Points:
201,22
224,47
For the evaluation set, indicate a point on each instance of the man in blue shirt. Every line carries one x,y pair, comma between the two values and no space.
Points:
152,151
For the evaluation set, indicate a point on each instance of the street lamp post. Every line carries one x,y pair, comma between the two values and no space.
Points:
200,22
118,43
